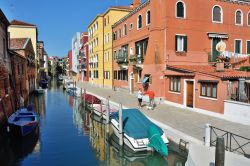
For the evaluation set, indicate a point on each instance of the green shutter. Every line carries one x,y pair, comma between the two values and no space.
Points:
237,46
176,42
248,47
185,43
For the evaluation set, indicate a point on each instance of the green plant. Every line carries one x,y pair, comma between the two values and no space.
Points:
245,68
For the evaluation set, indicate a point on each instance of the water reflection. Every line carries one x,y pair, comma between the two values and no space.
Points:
109,152
72,136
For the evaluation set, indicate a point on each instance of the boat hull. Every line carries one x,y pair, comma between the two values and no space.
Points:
137,145
23,122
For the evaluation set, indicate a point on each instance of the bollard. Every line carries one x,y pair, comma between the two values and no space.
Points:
220,152
120,126
207,135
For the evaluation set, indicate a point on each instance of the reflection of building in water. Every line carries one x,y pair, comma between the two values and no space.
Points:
86,122
97,139
40,104
77,118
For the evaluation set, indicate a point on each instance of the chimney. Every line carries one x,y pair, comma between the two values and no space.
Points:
220,66
135,4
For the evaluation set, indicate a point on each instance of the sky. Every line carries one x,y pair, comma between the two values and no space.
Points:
57,20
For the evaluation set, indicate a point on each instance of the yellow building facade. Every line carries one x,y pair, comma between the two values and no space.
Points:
100,46
110,17
95,33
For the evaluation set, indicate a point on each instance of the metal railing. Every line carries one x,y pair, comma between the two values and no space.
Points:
233,142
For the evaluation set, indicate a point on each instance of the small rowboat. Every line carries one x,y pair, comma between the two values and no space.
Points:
23,122
101,110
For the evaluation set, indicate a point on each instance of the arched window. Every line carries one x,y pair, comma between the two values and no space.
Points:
248,19
125,29
238,17
148,17
217,14
139,22
180,10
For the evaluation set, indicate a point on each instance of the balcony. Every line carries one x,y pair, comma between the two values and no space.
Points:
136,59
122,59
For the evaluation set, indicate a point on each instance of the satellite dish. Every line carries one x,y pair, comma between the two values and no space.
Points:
221,46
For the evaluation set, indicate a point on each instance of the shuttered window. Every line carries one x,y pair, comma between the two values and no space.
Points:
217,14
248,47
237,46
180,10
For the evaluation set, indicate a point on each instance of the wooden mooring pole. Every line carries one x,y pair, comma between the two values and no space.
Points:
120,126
107,115
220,152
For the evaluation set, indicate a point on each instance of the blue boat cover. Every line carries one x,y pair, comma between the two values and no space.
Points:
135,123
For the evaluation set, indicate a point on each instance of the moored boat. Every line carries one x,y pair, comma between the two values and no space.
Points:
23,122
137,131
44,84
101,110
39,91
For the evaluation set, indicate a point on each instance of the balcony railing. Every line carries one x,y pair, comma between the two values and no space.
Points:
136,59
122,59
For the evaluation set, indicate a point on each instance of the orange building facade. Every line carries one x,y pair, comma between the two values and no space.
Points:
171,45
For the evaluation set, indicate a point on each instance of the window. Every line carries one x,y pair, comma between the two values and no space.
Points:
114,35
141,47
139,22
115,75
180,43
148,17
131,26
105,22
106,75
175,84
238,17
248,46
125,29
139,75
120,33
125,75
180,10
237,46
115,55
108,38
119,74
209,90
248,19
217,14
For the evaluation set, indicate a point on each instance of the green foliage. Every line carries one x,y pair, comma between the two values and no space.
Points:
245,68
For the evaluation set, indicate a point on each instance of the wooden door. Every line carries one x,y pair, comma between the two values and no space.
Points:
190,93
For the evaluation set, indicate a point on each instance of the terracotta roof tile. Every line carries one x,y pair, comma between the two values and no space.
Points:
210,70
18,43
122,7
17,22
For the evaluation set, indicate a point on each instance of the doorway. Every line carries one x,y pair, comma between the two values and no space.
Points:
215,53
190,94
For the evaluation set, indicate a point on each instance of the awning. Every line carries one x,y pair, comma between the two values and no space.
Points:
208,81
145,80
217,35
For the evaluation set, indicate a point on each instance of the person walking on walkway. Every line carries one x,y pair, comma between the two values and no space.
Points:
151,96
139,96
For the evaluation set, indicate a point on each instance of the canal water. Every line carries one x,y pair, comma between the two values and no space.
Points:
68,135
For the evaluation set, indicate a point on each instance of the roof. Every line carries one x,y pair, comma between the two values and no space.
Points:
3,17
121,7
12,52
17,22
118,8
142,5
210,70
18,43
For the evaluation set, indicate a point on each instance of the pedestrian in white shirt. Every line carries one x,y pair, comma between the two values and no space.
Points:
139,96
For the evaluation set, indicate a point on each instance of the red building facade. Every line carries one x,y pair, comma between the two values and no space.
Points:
172,46
84,56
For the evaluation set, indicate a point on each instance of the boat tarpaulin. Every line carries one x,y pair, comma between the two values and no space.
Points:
156,142
135,123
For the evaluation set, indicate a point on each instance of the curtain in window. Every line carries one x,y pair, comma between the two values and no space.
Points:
217,14
180,43
238,17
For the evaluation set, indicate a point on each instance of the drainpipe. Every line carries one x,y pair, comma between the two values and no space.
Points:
102,56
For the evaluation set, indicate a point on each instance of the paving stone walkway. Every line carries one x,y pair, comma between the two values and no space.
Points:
189,122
